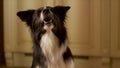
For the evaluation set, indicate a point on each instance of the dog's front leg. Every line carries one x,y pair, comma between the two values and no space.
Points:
34,63
38,58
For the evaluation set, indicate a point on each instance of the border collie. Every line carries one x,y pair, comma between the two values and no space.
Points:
49,36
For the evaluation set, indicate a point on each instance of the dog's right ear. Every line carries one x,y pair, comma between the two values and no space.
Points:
26,16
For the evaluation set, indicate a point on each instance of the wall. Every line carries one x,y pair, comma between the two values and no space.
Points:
93,30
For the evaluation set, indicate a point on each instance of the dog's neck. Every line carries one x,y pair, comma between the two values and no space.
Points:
51,47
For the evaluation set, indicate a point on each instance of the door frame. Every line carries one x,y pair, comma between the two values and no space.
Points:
2,57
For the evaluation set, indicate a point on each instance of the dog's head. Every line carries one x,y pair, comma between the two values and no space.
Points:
45,19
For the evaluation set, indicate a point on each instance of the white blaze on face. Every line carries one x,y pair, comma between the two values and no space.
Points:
41,16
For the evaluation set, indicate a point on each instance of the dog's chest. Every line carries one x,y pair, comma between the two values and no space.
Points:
51,49
49,43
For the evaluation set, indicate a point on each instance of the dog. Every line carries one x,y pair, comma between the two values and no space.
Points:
49,35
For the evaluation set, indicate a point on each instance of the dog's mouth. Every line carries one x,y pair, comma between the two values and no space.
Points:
47,19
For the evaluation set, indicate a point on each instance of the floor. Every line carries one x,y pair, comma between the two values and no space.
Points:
11,67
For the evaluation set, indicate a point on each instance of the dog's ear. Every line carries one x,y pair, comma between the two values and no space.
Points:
26,16
61,11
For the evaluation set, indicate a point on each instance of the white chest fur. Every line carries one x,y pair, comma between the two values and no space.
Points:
49,44
52,50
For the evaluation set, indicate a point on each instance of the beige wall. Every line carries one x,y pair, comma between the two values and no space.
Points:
93,30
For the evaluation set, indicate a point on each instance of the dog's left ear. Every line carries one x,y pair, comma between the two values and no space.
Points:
26,16
61,11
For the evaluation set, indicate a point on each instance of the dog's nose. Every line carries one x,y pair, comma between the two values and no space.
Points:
47,15
48,19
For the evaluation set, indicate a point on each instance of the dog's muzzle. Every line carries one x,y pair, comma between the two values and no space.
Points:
46,16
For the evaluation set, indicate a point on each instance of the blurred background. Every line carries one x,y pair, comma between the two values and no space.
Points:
93,29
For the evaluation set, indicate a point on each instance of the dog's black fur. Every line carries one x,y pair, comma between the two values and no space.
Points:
32,19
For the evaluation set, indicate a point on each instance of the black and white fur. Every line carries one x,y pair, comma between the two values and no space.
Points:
49,36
